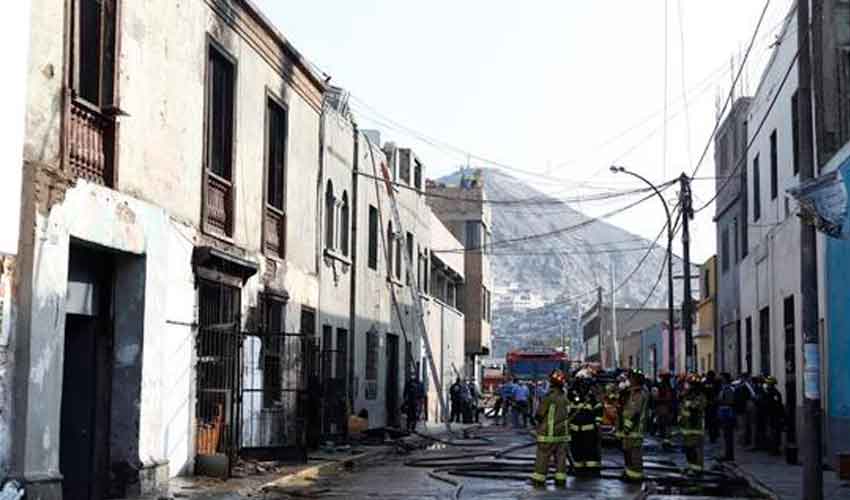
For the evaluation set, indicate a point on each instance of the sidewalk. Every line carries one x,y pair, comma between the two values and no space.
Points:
780,480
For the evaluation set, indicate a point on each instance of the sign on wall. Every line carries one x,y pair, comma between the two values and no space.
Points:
823,202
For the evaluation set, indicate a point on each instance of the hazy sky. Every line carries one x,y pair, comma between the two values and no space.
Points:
564,87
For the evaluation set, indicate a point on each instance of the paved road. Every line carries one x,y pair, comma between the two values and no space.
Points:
390,478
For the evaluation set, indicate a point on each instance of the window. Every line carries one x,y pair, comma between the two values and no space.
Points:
748,356
409,250
275,221
473,234
330,208
417,175
735,239
272,350
404,169
397,254
371,355
795,132
390,248
373,237
724,249
756,192
764,340
774,181
221,82
343,224
341,353
485,304
327,352
93,54
707,283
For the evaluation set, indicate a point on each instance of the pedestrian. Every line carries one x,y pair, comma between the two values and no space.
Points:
410,407
692,422
726,416
507,396
474,400
457,401
664,409
775,415
711,389
521,397
745,408
761,414
585,441
552,420
632,424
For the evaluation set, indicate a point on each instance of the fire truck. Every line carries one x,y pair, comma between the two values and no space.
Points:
534,363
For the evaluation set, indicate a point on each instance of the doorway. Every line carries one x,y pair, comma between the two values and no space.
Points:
84,447
392,387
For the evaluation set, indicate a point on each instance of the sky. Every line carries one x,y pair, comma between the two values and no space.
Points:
561,90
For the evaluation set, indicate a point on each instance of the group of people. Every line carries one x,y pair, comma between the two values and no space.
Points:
518,400
570,416
466,401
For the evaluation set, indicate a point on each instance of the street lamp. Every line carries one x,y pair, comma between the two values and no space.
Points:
672,349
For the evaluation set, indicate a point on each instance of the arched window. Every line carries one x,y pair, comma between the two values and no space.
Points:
390,248
329,215
343,224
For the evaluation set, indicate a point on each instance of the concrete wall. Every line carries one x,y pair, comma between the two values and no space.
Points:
652,342
152,219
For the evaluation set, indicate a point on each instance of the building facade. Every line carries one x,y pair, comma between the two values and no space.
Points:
598,332
731,222
464,211
706,331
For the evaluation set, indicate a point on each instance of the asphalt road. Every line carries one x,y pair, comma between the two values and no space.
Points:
389,477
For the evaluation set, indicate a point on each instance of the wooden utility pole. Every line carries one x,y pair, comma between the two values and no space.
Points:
813,442
687,304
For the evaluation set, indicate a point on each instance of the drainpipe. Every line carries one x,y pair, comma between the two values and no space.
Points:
352,303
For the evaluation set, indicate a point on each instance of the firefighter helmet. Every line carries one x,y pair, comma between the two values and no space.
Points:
770,380
558,378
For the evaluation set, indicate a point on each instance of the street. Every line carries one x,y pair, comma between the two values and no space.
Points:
506,477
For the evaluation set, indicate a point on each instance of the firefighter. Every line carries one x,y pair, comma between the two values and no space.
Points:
632,423
552,436
664,399
775,415
586,416
692,422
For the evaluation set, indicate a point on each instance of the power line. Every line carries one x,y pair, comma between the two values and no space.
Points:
731,90
742,160
562,230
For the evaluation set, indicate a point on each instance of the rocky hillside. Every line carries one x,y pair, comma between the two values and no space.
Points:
534,277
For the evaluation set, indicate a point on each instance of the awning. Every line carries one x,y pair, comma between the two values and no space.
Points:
221,261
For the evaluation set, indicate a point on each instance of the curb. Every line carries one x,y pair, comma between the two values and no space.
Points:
754,482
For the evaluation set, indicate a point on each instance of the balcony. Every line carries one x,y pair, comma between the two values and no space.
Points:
275,232
91,140
219,210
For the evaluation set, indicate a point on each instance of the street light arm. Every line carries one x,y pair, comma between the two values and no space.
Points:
655,189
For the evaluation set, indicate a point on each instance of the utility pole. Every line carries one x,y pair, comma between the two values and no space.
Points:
813,442
614,315
687,214
601,331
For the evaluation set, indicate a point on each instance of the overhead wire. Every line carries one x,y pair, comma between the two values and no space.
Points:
731,93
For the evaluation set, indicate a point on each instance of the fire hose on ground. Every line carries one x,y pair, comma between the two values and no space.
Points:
504,464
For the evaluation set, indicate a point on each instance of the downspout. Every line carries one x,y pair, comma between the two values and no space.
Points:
352,301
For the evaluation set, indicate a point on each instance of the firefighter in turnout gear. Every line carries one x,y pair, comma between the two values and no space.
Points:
552,437
586,416
632,423
692,422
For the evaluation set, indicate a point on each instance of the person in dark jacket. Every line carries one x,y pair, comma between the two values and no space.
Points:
411,403
775,415
726,404
456,395
711,388
762,408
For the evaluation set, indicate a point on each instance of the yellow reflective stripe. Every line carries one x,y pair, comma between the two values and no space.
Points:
579,464
634,474
550,421
695,467
693,432
574,427
587,427
540,478
627,423
552,439
560,476
593,463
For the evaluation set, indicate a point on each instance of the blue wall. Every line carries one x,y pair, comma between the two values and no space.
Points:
838,311
649,337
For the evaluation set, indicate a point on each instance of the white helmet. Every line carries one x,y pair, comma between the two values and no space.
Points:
584,373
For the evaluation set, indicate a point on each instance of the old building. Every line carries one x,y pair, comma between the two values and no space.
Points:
705,331
598,332
769,274
731,219
465,211
161,233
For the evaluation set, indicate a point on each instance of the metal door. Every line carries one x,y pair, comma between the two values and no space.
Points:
392,386
218,347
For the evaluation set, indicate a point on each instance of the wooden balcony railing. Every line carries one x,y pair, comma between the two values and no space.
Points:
275,232
91,138
219,204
